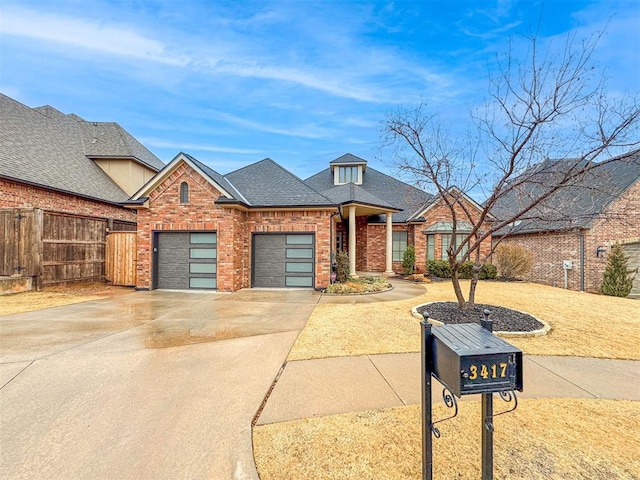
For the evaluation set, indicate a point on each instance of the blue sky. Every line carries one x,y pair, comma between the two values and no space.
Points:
301,82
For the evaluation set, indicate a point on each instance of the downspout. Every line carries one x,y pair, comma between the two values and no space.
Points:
582,258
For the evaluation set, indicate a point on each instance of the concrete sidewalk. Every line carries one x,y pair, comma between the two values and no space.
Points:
314,388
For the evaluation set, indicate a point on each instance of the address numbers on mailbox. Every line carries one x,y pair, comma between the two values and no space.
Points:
469,359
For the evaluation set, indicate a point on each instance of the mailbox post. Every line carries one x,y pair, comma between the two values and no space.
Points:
467,359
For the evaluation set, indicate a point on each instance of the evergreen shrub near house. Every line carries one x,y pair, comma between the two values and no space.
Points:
442,269
409,260
513,261
342,266
618,279
489,272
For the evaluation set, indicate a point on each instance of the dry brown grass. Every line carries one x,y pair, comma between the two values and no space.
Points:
543,439
583,324
56,297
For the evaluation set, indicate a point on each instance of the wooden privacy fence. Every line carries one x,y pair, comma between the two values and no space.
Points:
120,259
54,247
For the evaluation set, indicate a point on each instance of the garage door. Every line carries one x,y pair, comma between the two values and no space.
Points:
632,250
186,260
283,260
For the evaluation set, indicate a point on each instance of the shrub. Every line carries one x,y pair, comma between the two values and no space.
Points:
441,269
438,268
489,271
409,260
617,280
513,261
466,270
342,266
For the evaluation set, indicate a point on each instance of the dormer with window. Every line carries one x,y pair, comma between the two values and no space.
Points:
348,169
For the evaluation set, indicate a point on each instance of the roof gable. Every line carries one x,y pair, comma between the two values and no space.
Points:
438,200
210,175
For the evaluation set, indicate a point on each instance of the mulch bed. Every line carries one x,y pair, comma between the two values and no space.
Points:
504,319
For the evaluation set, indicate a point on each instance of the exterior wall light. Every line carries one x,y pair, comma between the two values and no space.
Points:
600,251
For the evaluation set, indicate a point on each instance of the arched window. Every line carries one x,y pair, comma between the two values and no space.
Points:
184,192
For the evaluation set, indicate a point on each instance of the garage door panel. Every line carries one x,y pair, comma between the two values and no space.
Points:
283,260
186,261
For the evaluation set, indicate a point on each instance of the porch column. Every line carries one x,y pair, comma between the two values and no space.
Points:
389,258
352,241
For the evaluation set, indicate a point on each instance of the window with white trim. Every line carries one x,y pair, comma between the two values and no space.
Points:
347,174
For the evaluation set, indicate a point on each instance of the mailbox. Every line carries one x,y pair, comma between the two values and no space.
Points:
469,359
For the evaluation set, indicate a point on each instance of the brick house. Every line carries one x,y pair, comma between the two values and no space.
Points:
62,184
573,232
63,163
261,226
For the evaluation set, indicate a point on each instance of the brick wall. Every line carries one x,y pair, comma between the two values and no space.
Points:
440,212
19,195
619,223
234,228
549,250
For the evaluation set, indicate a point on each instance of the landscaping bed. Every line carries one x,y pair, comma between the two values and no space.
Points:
359,285
504,319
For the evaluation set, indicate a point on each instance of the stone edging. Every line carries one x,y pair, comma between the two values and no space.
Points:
546,328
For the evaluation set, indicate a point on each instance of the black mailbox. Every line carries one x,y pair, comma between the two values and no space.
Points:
469,359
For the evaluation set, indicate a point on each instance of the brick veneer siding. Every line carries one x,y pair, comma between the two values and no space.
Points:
234,228
20,195
619,223
441,213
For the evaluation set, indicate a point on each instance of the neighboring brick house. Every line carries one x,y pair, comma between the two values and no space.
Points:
261,226
62,184
577,227
63,163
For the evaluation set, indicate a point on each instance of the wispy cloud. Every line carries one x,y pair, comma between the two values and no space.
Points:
154,142
85,34
304,131
362,73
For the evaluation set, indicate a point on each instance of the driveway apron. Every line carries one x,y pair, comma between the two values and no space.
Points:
148,385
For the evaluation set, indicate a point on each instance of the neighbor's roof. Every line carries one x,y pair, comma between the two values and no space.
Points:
45,147
392,192
573,207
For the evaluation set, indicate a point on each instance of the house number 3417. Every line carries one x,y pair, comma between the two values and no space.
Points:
487,371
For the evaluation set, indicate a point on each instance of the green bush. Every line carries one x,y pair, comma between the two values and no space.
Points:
617,280
441,269
342,266
438,268
409,260
466,270
489,271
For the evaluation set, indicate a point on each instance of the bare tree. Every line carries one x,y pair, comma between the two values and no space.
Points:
543,107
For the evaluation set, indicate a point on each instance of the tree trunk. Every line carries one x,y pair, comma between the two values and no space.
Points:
456,288
474,283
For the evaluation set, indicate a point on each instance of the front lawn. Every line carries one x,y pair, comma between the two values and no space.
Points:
548,439
583,324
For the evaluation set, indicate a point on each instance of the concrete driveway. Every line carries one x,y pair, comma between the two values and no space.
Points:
147,385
